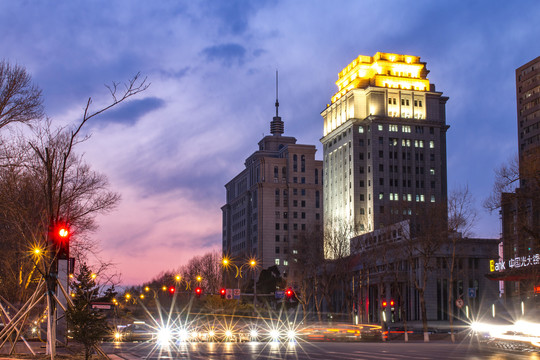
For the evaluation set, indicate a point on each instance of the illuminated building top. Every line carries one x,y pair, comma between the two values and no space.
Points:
383,70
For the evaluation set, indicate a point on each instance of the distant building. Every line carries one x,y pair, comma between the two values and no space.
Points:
518,265
276,197
384,143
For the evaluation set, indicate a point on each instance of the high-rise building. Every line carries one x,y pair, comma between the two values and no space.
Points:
384,142
276,197
528,108
519,264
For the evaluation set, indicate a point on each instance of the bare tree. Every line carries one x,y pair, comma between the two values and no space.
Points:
57,185
462,217
305,260
20,100
422,239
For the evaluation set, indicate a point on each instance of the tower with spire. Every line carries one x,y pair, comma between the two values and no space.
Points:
273,200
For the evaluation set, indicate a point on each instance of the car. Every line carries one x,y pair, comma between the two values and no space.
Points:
138,331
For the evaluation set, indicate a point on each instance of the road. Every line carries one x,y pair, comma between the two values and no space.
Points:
316,351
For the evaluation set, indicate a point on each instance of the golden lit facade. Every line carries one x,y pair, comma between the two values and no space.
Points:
384,141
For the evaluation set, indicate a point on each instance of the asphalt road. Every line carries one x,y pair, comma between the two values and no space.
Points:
316,351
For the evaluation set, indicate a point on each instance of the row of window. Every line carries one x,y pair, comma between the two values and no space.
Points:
406,183
286,228
395,128
406,197
404,102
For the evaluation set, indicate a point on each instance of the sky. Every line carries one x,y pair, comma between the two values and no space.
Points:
211,64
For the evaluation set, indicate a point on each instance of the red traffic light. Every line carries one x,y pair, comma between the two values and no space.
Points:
289,293
223,292
392,302
60,236
383,304
198,291
172,290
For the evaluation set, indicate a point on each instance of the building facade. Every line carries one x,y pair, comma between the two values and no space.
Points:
385,272
384,143
518,265
276,197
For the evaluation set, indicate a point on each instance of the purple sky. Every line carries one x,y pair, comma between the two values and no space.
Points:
212,65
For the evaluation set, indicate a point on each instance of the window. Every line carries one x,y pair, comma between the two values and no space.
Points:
361,183
317,199
361,197
381,140
361,156
381,154
303,215
406,128
316,176
277,249
303,192
295,215
303,203
285,215
380,127
381,195
285,226
295,191
361,129
381,181
432,198
277,198
393,128
432,171
303,180
285,262
295,203
303,163
295,180
431,144
295,163
361,169
381,167
361,142
277,226
277,261
277,238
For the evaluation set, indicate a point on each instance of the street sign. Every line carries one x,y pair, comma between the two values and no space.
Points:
229,294
472,292
459,303
279,294
236,293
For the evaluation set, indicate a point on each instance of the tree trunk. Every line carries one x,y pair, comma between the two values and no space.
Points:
451,307
424,314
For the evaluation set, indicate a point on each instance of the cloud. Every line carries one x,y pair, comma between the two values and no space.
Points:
131,111
226,54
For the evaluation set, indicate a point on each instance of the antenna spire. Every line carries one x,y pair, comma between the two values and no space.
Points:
277,102
276,125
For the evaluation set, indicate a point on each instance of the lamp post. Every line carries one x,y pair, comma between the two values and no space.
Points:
251,264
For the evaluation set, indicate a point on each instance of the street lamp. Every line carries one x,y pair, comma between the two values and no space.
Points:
251,264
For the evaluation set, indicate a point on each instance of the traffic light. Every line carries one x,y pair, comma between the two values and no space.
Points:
384,303
172,290
60,235
392,303
198,291
223,292
289,293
